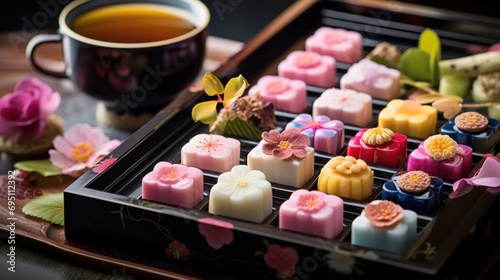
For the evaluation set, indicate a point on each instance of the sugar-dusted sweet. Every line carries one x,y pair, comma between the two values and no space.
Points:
287,95
415,190
474,130
312,68
211,152
348,106
383,225
325,135
346,177
409,117
243,194
285,158
173,184
344,45
375,79
440,155
379,146
312,212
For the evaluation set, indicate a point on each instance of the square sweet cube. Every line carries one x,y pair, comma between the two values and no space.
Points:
348,106
243,194
312,212
394,233
345,46
285,158
173,184
408,117
372,78
211,152
440,155
287,95
325,135
312,68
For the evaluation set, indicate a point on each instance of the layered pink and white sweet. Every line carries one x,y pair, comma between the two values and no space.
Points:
373,78
312,212
312,68
389,152
325,135
348,106
287,95
211,152
173,184
345,46
441,156
285,158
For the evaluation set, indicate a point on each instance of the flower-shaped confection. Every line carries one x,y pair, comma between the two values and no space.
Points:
283,145
285,158
24,112
345,105
415,190
80,148
312,212
482,139
211,152
173,184
312,68
345,46
324,134
379,146
243,194
286,94
441,156
372,78
346,177
384,225
408,117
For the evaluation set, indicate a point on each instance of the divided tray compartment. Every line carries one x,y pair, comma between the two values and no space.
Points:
107,208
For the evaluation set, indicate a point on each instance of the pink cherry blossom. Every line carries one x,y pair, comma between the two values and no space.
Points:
218,233
177,250
23,113
283,259
81,147
283,145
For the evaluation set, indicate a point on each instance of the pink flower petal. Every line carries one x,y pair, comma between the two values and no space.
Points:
272,136
282,154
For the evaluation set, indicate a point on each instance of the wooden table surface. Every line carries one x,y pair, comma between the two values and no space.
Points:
46,262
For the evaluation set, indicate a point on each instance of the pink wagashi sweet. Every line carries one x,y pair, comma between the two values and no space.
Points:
173,184
345,105
345,46
286,94
211,152
312,212
486,176
312,68
325,135
373,78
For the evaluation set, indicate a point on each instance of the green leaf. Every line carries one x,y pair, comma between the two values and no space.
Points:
48,207
42,166
415,64
429,42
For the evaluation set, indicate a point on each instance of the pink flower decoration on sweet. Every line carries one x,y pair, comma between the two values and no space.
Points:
283,259
286,94
345,46
313,68
218,233
283,145
80,148
23,113
177,250
103,165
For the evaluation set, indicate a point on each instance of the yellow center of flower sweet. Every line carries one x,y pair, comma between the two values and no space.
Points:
241,183
410,106
472,118
276,87
82,151
284,145
440,147
348,165
377,136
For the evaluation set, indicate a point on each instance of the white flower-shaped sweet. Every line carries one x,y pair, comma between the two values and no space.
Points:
243,194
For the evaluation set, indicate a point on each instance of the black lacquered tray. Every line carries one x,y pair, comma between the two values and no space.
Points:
107,208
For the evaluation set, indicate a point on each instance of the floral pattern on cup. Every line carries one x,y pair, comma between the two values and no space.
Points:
345,105
288,95
345,46
312,68
24,112
325,135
